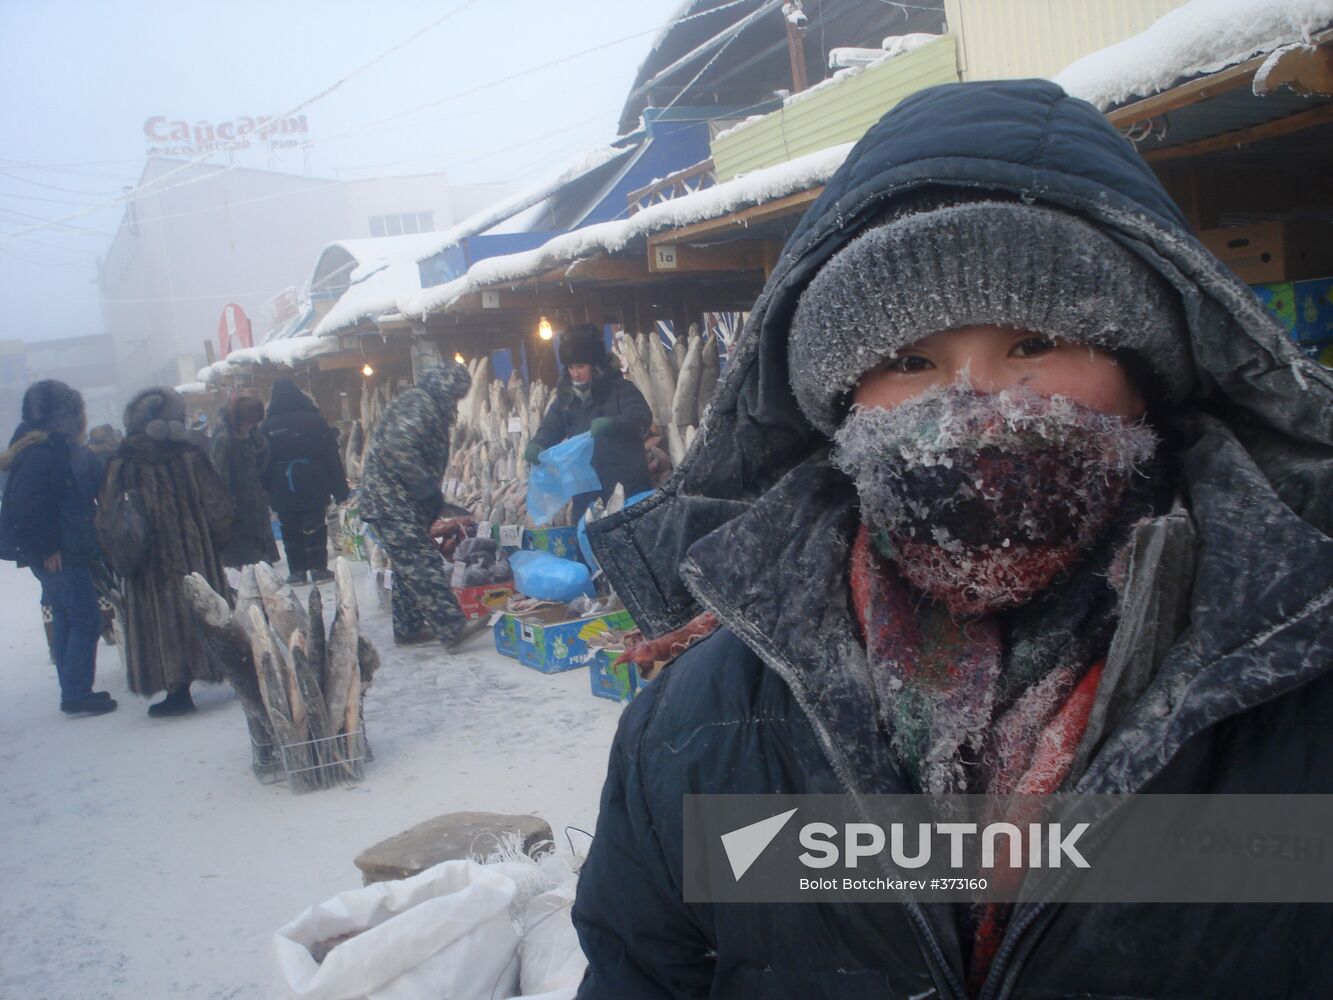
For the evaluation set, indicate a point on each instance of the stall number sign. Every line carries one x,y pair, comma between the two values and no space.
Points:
490,300
511,535
515,425
483,529
665,258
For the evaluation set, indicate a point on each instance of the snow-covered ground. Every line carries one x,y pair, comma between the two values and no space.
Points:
141,860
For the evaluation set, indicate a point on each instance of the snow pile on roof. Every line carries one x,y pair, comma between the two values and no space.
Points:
192,388
1200,37
754,188
282,353
375,295
846,58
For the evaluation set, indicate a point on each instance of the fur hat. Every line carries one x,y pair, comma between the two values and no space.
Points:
243,409
53,406
160,413
976,263
104,438
582,345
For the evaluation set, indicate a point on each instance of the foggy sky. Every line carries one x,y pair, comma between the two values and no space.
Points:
79,79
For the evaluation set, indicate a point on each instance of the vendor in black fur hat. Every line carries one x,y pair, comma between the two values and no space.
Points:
594,396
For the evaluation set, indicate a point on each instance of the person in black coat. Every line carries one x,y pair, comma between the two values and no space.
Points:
240,455
885,621
594,396
305,470
46,524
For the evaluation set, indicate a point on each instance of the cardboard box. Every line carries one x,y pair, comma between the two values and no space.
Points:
550,645
1303,308
613,682
506,636
562,542
483,601
1273,251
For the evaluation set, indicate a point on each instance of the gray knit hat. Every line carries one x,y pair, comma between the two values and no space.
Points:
974,264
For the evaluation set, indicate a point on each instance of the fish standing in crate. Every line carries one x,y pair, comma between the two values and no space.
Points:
401,499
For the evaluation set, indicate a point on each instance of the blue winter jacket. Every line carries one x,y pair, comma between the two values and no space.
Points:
1223,640
48,504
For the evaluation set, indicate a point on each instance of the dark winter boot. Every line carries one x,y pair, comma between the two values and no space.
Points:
97,703
295,578
415,639
321,575
468,631
177,702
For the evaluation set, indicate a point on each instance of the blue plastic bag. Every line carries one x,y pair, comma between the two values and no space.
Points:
550,578
565,471
585,547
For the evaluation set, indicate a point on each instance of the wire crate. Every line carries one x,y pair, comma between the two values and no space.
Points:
312,764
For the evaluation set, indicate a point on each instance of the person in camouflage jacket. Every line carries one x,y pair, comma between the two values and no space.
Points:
401,498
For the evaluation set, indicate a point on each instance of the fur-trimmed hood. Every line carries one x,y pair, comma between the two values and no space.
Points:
159,413
24,438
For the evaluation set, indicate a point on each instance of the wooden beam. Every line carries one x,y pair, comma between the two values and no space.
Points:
792,204
377,359
1305,70
1196,90
1186,94
1244,136
739,255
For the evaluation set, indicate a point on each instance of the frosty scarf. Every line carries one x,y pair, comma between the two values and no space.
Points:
979,579
983,499
998,509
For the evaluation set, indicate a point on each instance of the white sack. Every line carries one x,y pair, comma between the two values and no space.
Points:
549,956
443,933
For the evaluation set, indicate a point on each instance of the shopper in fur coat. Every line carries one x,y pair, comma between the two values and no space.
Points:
190,516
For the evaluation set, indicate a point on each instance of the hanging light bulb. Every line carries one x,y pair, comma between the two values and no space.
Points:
366,370
460,359
544,329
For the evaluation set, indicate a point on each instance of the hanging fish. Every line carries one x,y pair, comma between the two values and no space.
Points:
685,405
663,382
709,372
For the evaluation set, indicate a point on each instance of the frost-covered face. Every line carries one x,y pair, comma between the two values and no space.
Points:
993,358
987,461
580,374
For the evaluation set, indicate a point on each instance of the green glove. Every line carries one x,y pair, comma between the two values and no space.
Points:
532,454
602,426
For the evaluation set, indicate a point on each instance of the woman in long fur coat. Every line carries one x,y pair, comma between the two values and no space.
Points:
190,515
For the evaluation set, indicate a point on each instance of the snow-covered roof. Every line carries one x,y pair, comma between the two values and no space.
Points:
754,188
387,273
374,295
1200,37
374,252
515,203
281,353
192,388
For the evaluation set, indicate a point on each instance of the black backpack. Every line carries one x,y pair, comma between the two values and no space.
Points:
124,529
